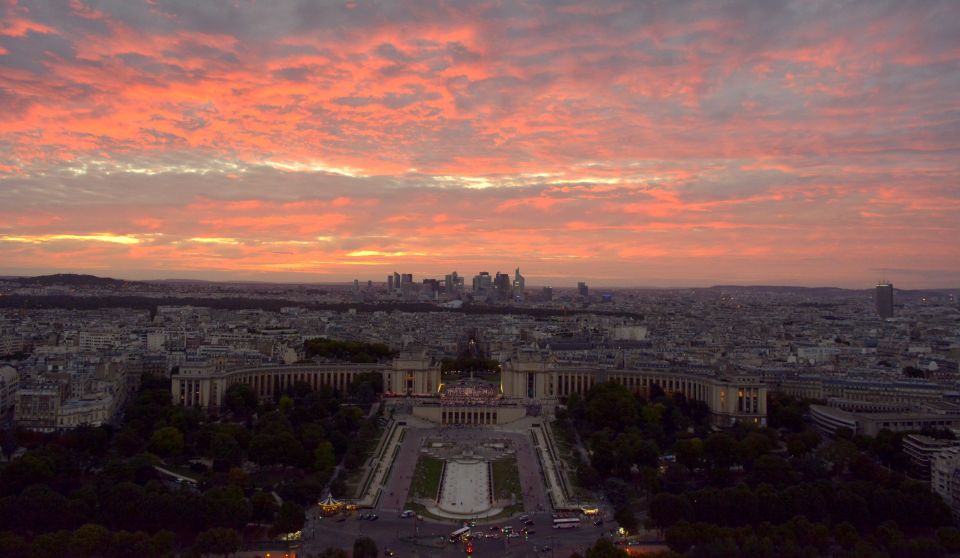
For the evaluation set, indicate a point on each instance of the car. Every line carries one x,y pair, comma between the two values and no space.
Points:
389,552
598,522
528,522
531,532
407,513
361,516
545,549
372,517
494,527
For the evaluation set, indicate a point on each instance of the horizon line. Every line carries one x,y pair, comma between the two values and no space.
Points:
349,282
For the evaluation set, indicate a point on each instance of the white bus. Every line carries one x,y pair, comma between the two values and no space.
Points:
566,522
459,534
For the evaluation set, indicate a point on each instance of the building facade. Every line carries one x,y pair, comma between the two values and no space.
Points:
204,384
9,384
731,398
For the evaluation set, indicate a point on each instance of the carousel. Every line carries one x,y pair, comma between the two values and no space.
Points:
331,506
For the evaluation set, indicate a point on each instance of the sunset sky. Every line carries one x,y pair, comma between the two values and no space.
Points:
627,143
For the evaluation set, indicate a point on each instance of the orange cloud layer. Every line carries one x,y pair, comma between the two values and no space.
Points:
628,142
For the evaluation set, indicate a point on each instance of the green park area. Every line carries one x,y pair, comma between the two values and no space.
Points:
116,491
426,477
506,479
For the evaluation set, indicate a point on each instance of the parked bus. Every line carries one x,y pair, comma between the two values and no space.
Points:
459,534
566,523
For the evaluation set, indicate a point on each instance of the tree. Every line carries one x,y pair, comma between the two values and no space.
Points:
217,541
846,535
166,441
587,476
667,509
721,450
241,400
25,471
52,545
285,405
949,538
163,542
632,450
604,548
264,506
226,507
625,518
681,537
126,544
889,536
290,518
364,547
689,453
13,545
611,405
128,441
34,509
8,445
803,443
772,469
91,540
274,449
323,457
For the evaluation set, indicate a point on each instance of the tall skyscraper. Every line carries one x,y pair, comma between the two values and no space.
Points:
453,285
583,290
519,284
503,286
482,283
885,300
389,282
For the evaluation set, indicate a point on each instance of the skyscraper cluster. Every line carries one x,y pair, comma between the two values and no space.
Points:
484,286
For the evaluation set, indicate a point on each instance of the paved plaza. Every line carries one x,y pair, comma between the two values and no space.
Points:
396,491
466,488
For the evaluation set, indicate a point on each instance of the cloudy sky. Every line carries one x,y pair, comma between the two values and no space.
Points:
626,143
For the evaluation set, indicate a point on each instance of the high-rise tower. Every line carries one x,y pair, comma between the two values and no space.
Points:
519,285
885,300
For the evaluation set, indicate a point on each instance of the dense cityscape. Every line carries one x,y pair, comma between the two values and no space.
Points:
479,278
263,417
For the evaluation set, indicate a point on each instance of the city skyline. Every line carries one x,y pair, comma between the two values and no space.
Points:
656,145
571,283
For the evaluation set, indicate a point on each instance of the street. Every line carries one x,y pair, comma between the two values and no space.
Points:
396,533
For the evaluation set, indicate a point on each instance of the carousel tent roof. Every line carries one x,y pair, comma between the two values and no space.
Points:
330,501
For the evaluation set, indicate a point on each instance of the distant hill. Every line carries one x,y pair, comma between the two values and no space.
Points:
785,289
72,280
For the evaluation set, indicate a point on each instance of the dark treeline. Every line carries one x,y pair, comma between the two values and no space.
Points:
96,491
753,490
69,302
